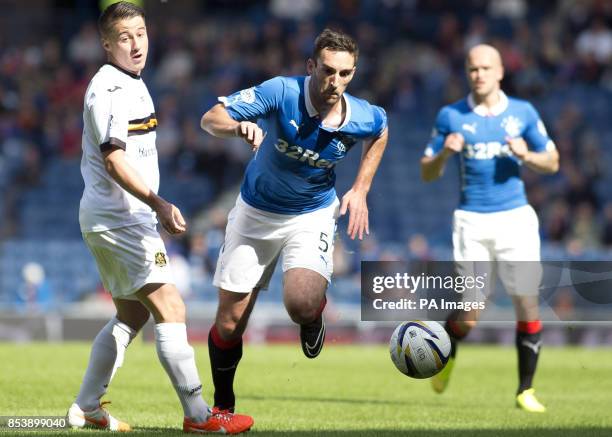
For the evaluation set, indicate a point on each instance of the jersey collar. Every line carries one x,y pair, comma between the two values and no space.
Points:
123,70
483,111
312,111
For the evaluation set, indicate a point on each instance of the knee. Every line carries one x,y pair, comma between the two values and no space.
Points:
164,302
173,311
135,319
302,313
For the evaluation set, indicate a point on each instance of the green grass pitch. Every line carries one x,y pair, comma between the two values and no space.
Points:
347,391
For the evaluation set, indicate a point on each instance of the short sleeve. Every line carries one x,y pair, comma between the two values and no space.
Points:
535,133
380,120
439,133
255,102
109,118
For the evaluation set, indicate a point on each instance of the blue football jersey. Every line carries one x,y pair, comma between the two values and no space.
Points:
490,173
293,169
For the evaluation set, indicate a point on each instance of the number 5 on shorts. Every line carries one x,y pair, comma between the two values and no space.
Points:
324,246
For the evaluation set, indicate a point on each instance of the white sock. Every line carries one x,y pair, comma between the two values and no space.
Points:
178,359
107,353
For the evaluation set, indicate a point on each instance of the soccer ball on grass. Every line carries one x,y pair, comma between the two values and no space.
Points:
420,349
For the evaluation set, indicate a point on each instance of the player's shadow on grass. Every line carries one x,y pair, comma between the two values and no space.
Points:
560,432
315,399
578,432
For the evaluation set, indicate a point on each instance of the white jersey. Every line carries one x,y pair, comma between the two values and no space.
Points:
118,111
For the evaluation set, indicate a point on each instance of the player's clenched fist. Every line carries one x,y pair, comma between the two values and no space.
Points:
251,133
454,142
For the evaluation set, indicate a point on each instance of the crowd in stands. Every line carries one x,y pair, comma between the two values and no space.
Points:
411,63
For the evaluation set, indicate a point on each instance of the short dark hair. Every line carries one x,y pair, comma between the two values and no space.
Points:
117,11
335,41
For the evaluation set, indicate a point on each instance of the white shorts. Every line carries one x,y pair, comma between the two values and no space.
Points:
509,237
128,258
254,240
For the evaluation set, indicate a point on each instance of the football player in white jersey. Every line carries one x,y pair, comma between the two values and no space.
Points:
301,127
492,135
117,215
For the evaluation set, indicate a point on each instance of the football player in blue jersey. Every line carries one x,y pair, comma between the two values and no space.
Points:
300,127
492,135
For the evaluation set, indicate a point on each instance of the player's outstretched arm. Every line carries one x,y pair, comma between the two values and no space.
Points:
123,173
218,123
542,162
355,199
432,167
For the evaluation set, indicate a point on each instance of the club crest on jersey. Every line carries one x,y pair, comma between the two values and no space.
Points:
345,142
160,259
512,126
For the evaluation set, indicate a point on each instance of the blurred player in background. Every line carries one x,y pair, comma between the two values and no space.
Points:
118,221
493,135
287,204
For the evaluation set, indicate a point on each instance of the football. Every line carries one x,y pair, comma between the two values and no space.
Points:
419,349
